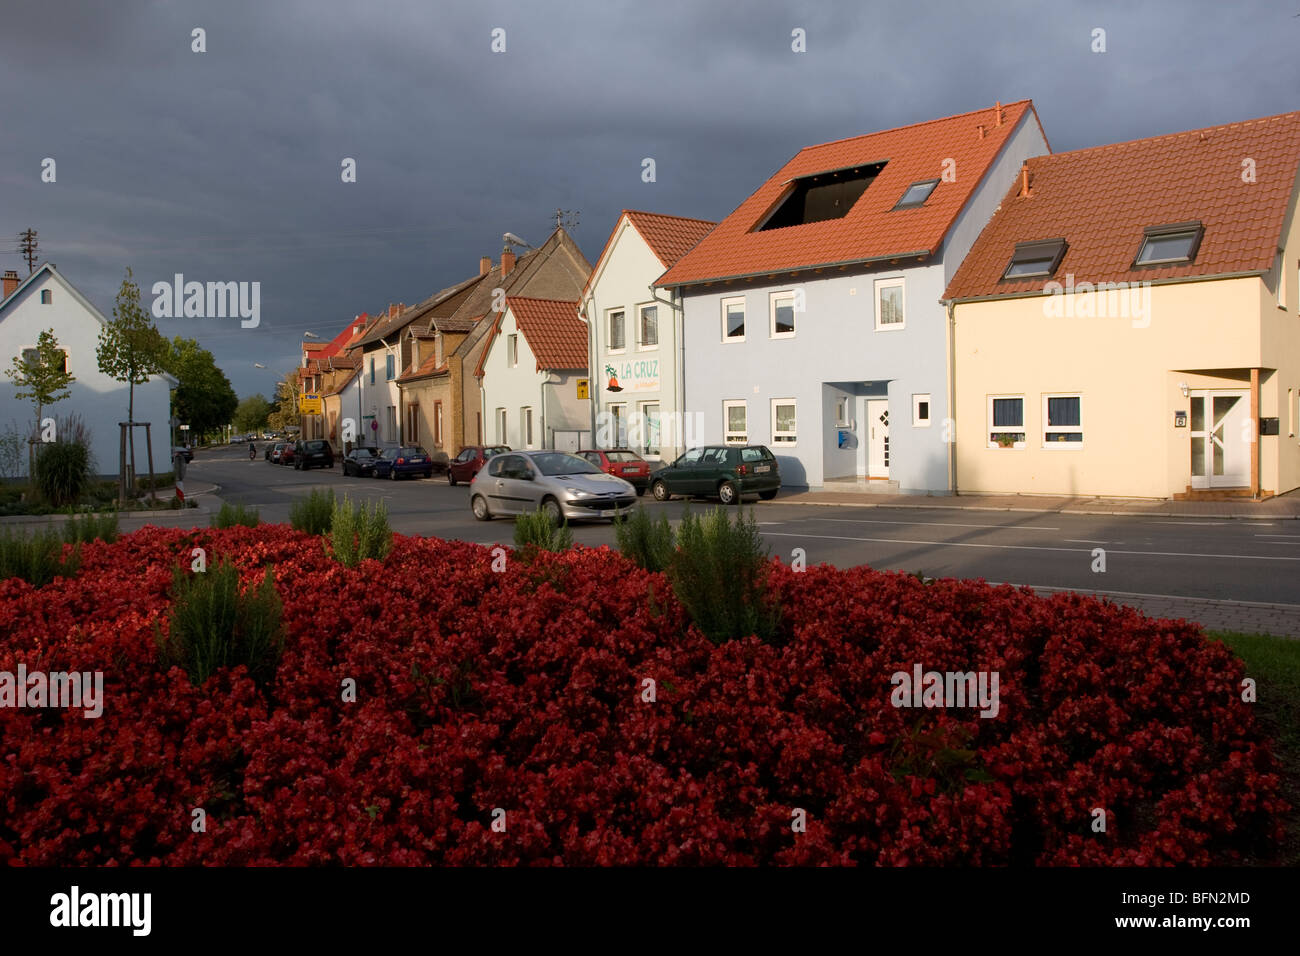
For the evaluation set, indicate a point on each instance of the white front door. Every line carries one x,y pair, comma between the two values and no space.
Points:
877,428
1221,438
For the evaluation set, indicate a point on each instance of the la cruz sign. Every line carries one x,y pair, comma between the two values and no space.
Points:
634,375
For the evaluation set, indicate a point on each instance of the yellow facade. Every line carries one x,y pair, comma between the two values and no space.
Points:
1129,356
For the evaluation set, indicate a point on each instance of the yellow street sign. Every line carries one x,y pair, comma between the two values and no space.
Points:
583,385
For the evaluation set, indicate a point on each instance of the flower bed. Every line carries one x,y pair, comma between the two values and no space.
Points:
523,691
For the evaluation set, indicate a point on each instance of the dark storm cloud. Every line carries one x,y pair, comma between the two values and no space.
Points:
225,165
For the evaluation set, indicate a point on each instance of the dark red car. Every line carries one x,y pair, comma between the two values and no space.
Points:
471,458
621,463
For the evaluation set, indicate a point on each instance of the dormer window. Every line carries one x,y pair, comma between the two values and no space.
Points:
828,195
1170,245
916,194
1034,260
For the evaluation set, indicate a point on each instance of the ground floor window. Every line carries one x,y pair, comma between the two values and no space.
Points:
437,424
783,421
1063,419
1006,420
526,426
618,426
501,426
921,411
413,424
392,423
649,428
734,416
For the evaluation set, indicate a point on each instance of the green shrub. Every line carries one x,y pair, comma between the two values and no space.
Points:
36,558
161,480
358,533
719,574
537,531
646,542
315,514
62,472
213,625
89,527
231,515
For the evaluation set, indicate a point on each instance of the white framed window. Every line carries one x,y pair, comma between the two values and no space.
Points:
647,327
617,331
781,315
1006,421
512,350
501,426
392,421
526,426
734,422
783,422
649,428
47,297
618,425
889,304
921,411
1063,420
733,319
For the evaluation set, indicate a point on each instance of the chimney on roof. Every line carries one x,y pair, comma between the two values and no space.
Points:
484,266
981,129
1024,179
997,109
394,310
10,283
507,261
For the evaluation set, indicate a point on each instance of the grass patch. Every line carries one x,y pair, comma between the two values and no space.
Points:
359,532
231,515
36,558
1274,663
537,531
90,527
314,514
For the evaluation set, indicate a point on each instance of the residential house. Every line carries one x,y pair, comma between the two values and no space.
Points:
324,367
812,321
635,336
382,349
47,300
533,359
1128,323
443,384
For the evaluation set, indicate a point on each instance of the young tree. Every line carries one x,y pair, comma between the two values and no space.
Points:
42,376
130,350
286,402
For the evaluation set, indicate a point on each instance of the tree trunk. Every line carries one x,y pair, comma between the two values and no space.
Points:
130,433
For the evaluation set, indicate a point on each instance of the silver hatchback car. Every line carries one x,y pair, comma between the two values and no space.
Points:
563,484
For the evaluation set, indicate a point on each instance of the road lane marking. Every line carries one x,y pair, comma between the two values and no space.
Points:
1277,535
1084,541
937,524
1167,597
1198,524
1030,547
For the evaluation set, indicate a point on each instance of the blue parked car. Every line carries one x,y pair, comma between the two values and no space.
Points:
410,460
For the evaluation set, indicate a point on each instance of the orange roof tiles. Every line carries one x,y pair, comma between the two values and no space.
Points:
553,330
1100,200
669,237
872,228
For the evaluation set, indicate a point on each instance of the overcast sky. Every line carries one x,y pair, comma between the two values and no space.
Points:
226,165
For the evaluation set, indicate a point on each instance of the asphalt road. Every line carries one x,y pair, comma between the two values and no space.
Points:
1219,560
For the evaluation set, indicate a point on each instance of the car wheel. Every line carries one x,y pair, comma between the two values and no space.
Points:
392,473
640,490
479,504
767,495
727,493
451,479
660,491
428,474
552,508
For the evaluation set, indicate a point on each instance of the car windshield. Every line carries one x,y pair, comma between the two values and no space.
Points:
362,453
622,456
494,450
410,452
558,463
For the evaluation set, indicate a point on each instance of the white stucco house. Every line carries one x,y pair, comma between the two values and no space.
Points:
529,376
812,321
635,335
47,300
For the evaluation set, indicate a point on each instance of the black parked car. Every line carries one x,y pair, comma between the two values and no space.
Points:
360,462
313,453
720,471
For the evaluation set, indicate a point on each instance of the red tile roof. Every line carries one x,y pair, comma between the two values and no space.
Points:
551,328
872,229
1100,200
669,237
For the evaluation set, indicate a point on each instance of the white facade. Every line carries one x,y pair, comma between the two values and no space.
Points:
646,415
527,408
858,393
46,300
381,398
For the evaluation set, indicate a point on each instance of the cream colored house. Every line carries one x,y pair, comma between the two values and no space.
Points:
1128,323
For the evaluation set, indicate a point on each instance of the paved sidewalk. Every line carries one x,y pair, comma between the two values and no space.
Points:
1248,617
203,493
1283,506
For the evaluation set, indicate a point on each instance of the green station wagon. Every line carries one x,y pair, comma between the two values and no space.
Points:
725,472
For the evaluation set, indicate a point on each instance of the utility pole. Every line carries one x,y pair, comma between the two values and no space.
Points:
27,246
